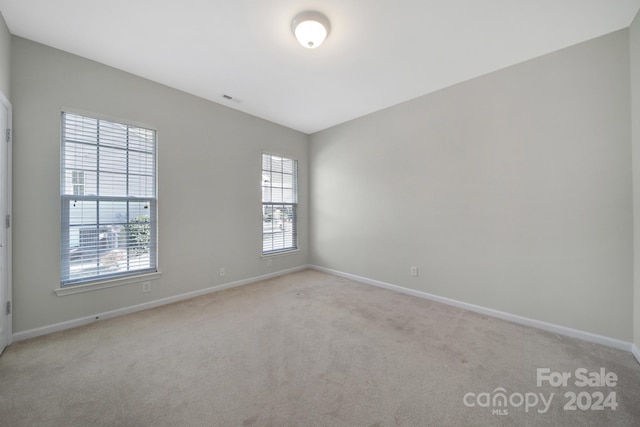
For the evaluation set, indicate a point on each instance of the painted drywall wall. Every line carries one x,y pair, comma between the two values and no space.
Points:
634,49
512,191
5,58
209,176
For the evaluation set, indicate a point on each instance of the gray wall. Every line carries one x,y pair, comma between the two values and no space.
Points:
5,58
635,120
209,183
512,191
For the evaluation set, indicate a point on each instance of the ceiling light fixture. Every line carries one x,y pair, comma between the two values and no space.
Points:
310,28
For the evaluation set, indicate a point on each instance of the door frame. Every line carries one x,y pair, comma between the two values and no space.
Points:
7,227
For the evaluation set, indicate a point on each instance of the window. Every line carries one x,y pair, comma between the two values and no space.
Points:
77,177
108,197
279,204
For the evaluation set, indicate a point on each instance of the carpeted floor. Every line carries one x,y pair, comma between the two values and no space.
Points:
311,349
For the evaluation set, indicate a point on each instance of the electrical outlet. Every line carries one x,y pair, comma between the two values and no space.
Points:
413,271
223,272
146,286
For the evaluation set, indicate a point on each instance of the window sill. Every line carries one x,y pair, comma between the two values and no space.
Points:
278,254
77,289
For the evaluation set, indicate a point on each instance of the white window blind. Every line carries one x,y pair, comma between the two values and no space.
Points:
279,204
108,197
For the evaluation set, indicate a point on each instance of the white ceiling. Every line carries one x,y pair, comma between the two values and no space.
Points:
379,52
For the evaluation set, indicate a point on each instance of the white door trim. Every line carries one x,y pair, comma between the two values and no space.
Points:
8,242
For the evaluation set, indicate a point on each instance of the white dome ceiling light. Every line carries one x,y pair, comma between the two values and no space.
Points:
310,28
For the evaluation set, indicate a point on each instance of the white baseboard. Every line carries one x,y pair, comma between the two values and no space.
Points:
31,333
562,330
550,327
636,352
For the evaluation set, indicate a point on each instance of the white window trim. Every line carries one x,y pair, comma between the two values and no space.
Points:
127,279
281,253
289,251
104,284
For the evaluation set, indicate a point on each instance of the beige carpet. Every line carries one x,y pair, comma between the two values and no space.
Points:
307,349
